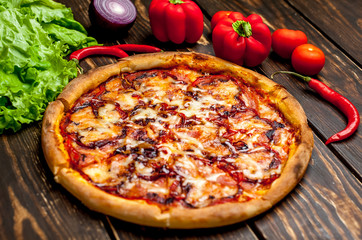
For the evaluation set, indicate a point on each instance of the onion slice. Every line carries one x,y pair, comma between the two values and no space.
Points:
114,15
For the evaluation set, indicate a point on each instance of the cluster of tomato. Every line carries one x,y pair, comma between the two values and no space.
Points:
243,40
306,58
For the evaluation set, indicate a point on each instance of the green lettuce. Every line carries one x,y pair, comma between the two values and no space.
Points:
35,36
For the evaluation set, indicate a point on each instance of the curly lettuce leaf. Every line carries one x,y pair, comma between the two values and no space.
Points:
35,36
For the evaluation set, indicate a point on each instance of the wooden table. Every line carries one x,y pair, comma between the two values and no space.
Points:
325,205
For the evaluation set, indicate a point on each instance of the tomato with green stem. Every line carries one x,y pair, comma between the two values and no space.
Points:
308,59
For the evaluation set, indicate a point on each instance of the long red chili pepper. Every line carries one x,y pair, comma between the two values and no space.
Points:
98,50
115,50
336,99
138,48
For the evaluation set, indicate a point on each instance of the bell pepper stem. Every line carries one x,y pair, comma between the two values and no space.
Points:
243,28
304,78
176,1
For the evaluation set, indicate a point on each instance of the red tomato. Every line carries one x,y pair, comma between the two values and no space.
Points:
284,41
307,59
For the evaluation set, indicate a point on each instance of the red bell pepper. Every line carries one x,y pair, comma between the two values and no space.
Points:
219,16
242,40
176,20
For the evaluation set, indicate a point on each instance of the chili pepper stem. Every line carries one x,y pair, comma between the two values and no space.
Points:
79,68
304,78
342,103
75,60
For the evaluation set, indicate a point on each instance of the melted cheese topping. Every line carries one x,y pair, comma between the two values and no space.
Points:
178,137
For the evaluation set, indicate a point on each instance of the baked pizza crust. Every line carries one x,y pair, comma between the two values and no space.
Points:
141,212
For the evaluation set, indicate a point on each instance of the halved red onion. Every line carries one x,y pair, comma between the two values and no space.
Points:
113,15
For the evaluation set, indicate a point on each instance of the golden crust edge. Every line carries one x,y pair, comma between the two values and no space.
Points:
135,211
140,212
205,217
294,169
218,215
85,82
51,140
297,163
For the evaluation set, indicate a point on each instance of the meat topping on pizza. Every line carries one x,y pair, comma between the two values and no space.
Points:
177,137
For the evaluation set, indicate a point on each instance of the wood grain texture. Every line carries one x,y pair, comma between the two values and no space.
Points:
233,232
344,27
32,205
325,205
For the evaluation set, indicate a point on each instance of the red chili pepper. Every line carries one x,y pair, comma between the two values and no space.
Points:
242,40
336,99
138,48
176,20
98,50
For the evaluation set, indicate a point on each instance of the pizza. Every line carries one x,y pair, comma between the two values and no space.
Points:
176,140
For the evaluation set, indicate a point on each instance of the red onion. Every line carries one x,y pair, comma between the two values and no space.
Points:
113,15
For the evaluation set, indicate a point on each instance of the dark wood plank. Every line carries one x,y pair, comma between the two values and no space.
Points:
42,209
339,72
33,205
343,26
325,205
126,230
